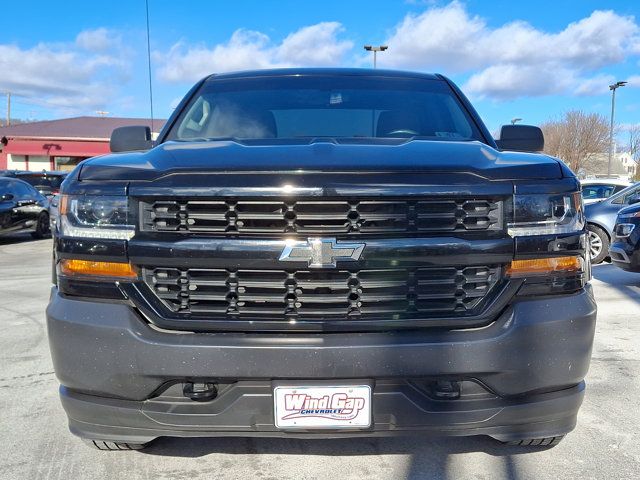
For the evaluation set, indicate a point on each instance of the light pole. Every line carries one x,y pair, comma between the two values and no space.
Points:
8,109
613,89
515,120
375,50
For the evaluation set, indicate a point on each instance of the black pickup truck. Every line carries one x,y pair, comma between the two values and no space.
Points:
321,253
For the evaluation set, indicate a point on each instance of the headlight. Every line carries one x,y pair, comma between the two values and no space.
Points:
542,214
92,216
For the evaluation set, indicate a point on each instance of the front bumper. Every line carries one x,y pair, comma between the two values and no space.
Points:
247,411
114,368
625,256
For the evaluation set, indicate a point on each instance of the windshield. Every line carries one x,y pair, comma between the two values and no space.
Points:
4,189
622,197
46,184
597,191
50,182
324,106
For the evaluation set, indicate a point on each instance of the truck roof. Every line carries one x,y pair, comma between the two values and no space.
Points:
282,72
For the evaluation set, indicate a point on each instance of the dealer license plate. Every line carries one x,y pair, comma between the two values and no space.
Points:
322,407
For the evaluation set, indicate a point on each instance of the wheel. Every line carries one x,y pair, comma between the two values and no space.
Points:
112,446
536,442
598,244
42,226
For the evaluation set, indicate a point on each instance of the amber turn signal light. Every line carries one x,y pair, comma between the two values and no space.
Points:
63,205
542,266
73,267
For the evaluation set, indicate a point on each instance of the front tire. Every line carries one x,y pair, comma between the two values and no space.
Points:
42,226
536,442
113,446
598,243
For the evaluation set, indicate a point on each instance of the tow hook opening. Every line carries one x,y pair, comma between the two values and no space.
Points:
200,391
445,389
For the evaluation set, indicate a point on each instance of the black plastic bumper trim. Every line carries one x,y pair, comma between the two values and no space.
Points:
394,411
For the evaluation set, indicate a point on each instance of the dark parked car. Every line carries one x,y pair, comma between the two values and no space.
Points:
22,207
625,246
47,183
322,253
601,218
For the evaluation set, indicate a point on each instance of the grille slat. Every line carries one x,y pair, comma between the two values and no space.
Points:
382,298
295,295
352,216
207,216
316,298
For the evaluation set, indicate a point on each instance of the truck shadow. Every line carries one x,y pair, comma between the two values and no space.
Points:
428,457
15,238
619,279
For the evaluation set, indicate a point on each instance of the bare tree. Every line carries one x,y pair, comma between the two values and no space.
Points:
578,138
15,121
634,147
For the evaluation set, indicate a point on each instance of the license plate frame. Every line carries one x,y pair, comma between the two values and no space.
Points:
318,407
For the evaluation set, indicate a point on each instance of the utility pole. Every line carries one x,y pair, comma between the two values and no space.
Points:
375,51
613,89
146,3
8,109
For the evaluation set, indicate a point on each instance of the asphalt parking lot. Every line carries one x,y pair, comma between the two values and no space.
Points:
36,444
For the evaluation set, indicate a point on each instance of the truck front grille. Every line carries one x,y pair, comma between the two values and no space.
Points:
295,295
238,217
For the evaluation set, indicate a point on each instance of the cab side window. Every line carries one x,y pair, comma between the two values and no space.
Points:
14,188
624,199
22,191
8,188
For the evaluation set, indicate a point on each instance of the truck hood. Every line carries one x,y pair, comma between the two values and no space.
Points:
419,156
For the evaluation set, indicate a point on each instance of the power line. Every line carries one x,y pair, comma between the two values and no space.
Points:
44,106
37,103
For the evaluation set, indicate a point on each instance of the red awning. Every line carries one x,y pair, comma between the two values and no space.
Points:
56,148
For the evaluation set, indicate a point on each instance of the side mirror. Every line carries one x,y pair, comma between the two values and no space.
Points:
520,138
129,139
634,199
6,197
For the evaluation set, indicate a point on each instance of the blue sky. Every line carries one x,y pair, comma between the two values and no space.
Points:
525,59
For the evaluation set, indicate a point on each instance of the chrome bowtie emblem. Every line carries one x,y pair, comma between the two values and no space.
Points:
321,252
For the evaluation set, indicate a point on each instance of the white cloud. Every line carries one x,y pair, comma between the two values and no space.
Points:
514,59
315,45
634,81
98,40
77,77
245,49
500,62
503,62
595,85
510,81
438,37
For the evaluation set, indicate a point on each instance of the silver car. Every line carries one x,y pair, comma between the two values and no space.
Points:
597,190
601,218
